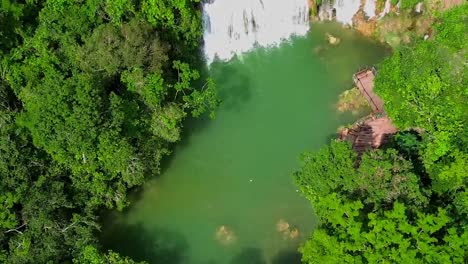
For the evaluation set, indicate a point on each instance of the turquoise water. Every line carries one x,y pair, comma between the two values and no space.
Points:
226,194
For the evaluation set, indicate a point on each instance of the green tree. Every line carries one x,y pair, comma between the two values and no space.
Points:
181,18
377,211
91,255
424,87
92,95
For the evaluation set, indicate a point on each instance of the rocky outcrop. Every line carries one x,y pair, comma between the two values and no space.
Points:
364,24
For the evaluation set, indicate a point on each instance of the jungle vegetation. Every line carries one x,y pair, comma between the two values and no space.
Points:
92,95
406,202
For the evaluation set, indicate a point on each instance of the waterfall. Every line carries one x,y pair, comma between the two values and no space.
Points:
386,9
369,8
342,11
345,10
325,11
233,27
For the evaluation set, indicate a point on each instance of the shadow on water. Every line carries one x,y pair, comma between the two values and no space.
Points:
233,84
330,138
249,256
190,127
287,257
153,246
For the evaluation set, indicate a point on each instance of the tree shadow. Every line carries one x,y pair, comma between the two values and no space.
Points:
234,84
287,257
156,245
249,256
190,127
330,137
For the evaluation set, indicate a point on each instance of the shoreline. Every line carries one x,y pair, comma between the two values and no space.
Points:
390,24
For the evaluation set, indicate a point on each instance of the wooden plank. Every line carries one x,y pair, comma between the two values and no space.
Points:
364,80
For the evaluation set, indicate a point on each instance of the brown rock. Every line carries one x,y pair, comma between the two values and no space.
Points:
282,226
294,233
332,39
365,27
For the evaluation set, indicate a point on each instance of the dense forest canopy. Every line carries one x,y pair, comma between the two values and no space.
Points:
407,202
92,95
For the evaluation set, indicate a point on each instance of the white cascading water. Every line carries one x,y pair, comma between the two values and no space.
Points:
342,11
236,26
369,8
386,9
325,11
345,10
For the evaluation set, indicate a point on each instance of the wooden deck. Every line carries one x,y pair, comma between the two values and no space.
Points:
364,80
375,130
370,133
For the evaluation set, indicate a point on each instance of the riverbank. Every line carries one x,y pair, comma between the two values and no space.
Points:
417,182
393,24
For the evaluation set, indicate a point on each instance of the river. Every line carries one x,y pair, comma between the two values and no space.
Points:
227,188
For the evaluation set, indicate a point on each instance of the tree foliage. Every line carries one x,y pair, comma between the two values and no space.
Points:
91,255
379,211
407,203
425,87
92,95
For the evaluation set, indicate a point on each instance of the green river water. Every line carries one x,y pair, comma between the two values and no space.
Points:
235,171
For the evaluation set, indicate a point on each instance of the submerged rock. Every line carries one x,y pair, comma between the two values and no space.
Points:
282,226
332,39
294,233
286,230
225,235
